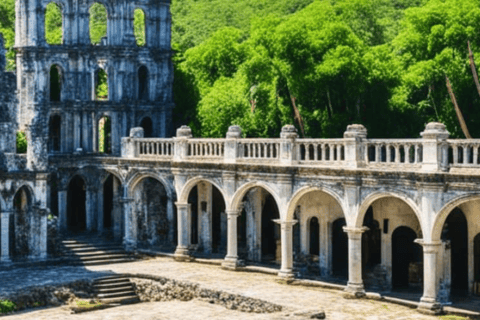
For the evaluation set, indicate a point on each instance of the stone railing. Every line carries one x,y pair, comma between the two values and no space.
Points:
434,152
463,153
400,152
206,148
320,150
154,148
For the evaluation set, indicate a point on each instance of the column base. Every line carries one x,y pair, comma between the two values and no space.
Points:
286,274
429,306
182,254
230,263
129,245
354,291
5,259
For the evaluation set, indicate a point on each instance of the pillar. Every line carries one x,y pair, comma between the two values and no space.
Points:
42,244
183,222
231,260
99,209
62,210
286,270
355,286
130,238
428,303
90,206
5,223
171,218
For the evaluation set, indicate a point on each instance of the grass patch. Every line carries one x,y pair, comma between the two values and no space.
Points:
88,304
452,317
7,306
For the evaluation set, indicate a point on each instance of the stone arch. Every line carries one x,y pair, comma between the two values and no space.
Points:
443,214
136,178
55,76
59,5
92,5
237,198
22,221
292,204
54,133
140,39
191,183
100,80
371,198
147,124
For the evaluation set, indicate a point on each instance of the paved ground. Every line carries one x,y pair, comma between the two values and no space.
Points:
293,298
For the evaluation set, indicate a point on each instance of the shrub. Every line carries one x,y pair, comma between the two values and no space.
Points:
7,306
21,142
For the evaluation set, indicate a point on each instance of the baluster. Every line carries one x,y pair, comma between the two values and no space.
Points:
324,152
475,155
397,154
455,154
307,152
466,154
378,152
339,151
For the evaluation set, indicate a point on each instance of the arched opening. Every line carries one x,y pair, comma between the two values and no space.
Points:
406,254
296,236
76,198
455,233
143,83
271,245
108,194
242,246
314,231
155,222
371,243
53,24
21,224
339,249
208,219
55,83
105,135
147,126
101,85
476,262
98,23
139,27
54,133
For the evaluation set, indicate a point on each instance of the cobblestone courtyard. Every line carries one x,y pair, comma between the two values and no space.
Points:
293,298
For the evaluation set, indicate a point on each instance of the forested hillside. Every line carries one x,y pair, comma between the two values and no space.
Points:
319,64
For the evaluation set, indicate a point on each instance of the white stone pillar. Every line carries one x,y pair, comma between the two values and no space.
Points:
130,238
62,210
355,286
428,303
90,206
286,270
5,223
231,260
183,222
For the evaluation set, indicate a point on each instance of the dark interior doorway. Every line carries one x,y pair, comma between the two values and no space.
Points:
371,242
108,202
403,254
270,229
314,228
339,249
55,133
218,208
76,197
147,126
193,201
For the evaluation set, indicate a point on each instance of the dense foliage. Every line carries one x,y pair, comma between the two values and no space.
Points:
319,64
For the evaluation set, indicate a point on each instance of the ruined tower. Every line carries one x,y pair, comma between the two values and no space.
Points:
58,106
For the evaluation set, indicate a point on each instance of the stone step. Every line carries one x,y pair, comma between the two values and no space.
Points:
111,280
120,294
103,257
122,300
112,285
98,252
123,288
108,261
92,246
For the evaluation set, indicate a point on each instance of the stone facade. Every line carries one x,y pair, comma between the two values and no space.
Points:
396,213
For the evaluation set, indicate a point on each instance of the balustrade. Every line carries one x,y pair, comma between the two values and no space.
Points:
206,148
154,147
463,153
320,150
401,152
259,149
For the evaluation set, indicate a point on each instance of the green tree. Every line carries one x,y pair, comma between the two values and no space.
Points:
53,24
139,27
98,22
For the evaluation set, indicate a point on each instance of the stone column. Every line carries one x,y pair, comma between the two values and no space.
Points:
90,206
231,260
354,146
170,217
355,288
5,223
428,302
62,210
183,221
99,209
286,270
434,146
130,238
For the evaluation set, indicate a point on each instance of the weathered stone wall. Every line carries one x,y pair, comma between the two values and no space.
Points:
8,85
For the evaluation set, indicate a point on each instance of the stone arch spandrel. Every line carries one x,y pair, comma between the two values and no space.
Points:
237,198
190,183
371,198
443,214
292,204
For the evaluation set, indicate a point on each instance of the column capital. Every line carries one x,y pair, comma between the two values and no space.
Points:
126,200
429,247
285,223
354,230
182,205
235,213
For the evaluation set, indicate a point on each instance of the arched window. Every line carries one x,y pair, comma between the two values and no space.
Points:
101,85
147,126
105,135
55,83
53,24
54,133
143,83
98,23
139,27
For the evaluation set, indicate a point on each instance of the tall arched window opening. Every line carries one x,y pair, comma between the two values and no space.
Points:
54,133
101,85
53,24
139,27
98,23
55,83
147,126
105,135
143,83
